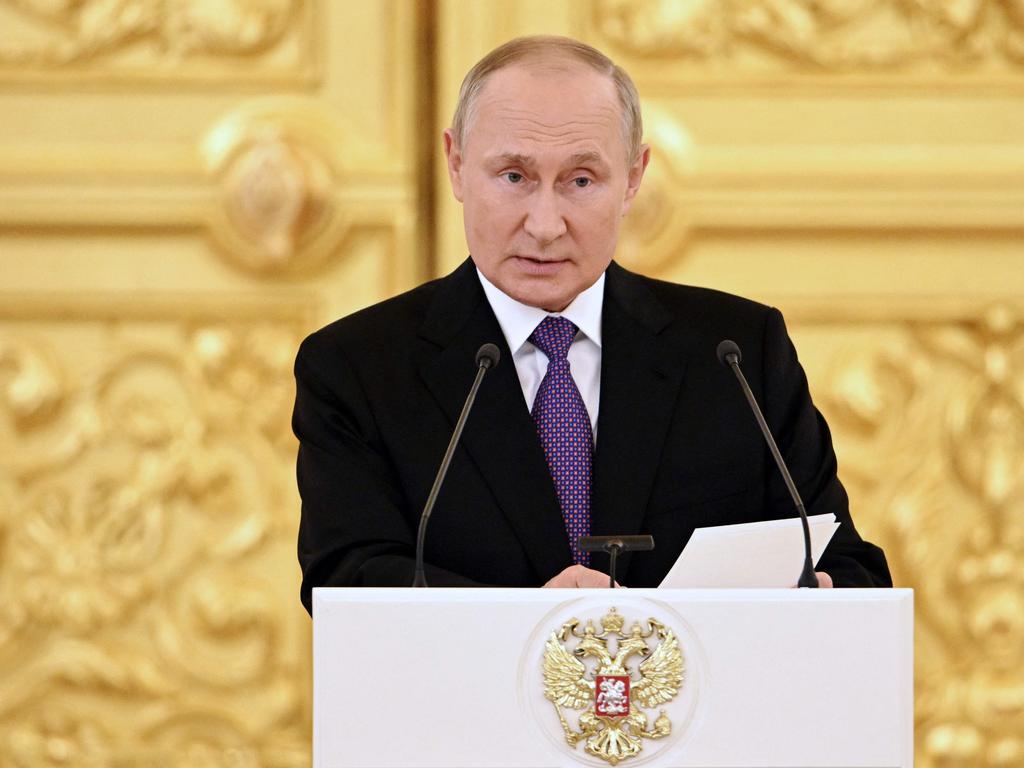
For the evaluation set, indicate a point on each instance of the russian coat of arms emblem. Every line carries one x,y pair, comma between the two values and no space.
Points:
589,668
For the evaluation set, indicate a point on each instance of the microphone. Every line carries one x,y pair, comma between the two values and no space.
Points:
730,356
487,357
613,545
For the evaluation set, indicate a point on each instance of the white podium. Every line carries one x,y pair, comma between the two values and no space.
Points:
459,678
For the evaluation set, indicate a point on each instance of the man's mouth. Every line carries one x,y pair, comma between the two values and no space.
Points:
539,266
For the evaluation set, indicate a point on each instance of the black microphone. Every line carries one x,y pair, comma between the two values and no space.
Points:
729,355
487,357
613,545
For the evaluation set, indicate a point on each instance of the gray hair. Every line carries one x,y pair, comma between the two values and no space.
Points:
547,48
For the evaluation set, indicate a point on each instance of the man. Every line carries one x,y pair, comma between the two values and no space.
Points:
609,413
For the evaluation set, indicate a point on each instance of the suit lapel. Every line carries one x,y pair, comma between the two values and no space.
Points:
500,437
640,377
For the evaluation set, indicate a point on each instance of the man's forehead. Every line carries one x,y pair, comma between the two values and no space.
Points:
552,113
549,116
524,110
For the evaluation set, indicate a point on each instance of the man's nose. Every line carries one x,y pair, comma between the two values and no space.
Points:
544,220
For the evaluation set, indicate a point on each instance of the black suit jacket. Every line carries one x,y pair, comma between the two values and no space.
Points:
677,447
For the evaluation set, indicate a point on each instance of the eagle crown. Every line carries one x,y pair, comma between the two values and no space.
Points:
607,665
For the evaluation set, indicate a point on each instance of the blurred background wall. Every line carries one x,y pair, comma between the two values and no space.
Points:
188,187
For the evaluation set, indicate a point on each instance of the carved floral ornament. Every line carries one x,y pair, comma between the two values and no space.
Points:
937,410
145,38
139,501
816,35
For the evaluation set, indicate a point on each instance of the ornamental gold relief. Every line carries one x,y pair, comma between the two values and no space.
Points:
141,524
141,40
179,182
278,209
812,36
928,418
30,382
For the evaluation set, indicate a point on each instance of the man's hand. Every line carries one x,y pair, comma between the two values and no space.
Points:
579,576
824,580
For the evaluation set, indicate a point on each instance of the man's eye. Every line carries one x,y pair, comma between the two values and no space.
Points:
512,177
582,182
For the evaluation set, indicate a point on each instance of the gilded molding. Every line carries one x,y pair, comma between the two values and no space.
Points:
815,36
230,41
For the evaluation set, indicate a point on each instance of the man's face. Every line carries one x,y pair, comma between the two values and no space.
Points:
544,180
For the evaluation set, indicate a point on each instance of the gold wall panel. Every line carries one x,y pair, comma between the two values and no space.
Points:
148,615
186,190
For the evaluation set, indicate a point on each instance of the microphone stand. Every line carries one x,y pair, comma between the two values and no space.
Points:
486,357
613,545
729,354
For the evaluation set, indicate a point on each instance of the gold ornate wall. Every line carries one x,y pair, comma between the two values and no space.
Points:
186,188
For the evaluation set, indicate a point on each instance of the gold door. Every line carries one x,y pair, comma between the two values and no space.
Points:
187,188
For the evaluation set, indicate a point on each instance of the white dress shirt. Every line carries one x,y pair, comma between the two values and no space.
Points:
518,321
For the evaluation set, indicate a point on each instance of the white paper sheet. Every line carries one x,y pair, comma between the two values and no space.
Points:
755,555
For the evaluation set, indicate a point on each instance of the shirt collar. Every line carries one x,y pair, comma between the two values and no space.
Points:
518,320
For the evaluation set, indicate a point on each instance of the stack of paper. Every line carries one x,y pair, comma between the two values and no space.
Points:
765,554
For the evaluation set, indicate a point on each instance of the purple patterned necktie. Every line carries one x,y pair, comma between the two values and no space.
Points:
564,428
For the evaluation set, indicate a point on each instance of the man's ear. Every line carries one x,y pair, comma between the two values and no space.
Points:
636,175
454,157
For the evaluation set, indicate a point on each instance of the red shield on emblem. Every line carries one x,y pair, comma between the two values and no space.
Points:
611,695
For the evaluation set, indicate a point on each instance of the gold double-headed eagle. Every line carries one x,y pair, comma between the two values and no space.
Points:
657,680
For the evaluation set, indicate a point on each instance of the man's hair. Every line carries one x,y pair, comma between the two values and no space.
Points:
549,49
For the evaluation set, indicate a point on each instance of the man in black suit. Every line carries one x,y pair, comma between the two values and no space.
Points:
632,426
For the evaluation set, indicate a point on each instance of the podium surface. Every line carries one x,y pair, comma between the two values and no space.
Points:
498,677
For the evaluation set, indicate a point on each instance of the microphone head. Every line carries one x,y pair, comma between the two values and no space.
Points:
488,356
729,353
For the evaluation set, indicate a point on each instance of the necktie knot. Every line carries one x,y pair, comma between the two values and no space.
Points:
553,336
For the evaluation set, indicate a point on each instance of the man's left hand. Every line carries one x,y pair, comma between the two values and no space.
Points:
824,580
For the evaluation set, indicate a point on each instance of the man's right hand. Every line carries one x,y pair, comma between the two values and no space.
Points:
579,576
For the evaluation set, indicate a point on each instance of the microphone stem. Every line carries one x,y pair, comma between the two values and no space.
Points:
807,577
613,556
420,579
